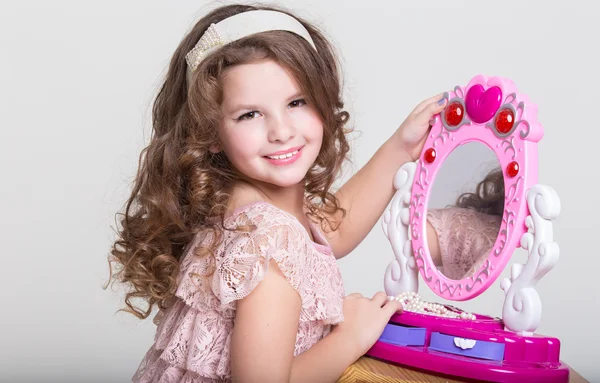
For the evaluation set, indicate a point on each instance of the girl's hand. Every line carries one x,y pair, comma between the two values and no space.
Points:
365,319
413,131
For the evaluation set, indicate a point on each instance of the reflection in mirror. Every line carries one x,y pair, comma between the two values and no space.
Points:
465,210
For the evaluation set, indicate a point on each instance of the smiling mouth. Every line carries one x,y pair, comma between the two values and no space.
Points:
284,156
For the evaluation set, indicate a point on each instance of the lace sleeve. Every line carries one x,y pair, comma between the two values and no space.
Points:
245,260
465,239
241,260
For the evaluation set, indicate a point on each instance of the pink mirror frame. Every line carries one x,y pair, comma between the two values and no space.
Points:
490,111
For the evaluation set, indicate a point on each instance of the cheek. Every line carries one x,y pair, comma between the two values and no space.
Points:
316,137
313,126
241,143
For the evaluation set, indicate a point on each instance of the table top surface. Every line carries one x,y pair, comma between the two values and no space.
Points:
367,369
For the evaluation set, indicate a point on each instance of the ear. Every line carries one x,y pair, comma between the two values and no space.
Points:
215,148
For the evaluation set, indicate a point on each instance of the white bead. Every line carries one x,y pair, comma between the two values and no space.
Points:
412,302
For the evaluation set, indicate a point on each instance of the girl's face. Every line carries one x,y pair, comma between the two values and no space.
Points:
268,131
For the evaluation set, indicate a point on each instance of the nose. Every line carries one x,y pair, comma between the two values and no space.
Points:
281,129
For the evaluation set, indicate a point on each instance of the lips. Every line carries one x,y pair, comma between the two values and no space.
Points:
285,157
283,154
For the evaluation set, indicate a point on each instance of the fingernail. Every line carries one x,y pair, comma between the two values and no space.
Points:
441,102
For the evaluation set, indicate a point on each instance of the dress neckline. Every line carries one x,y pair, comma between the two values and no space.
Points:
322,245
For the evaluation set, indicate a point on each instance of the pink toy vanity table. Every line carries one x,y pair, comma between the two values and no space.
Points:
487,120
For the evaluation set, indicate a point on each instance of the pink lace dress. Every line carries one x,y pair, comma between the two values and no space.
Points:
192,341
465,239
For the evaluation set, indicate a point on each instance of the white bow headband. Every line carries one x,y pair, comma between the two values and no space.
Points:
239,26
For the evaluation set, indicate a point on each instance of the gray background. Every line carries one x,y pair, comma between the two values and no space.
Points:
76,81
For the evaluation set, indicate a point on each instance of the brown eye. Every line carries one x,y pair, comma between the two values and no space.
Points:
247,116
297,103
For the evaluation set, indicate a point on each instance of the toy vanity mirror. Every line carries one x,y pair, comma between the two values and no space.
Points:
458,215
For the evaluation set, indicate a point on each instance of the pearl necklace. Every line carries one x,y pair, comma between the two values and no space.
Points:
412,302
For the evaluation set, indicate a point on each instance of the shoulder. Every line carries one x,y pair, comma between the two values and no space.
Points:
457,218
449,212
250,228
263,222
255,236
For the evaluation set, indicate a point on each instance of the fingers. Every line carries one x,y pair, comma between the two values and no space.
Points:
379,298
392,307
432,100
426,115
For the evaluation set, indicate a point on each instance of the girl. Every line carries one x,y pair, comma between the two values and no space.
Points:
232,229
460,237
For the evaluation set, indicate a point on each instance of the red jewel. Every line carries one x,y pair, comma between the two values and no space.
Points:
512,169
454,113
430,155
505,120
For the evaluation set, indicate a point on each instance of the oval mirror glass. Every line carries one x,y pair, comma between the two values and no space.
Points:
465,210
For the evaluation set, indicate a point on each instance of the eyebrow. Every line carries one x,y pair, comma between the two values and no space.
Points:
238,108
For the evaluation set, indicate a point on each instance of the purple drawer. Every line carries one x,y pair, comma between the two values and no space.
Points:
466,347
403,336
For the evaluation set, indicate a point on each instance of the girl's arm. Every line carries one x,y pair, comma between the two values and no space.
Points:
264,332
364,321
266,324
264,337
326,361
366,195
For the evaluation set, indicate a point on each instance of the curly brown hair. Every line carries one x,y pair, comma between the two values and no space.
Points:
488,197
182,188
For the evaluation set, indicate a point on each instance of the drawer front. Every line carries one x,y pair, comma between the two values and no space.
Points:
466,347
403,336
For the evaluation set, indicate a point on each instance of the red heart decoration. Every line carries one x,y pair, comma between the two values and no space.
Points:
482,105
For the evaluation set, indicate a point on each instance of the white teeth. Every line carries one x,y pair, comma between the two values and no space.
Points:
283,156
